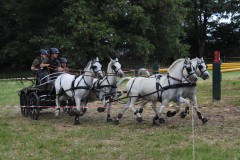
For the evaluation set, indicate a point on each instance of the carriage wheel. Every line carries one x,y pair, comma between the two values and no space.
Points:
24,104
34,103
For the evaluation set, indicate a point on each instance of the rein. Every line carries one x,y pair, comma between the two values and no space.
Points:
170,86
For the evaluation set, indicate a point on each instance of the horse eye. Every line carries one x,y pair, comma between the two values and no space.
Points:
113,67
200,67
189,69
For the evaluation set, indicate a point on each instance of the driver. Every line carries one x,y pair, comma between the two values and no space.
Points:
52,64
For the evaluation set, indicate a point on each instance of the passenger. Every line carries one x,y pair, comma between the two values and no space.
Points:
37,71
37,61
63,62
51,64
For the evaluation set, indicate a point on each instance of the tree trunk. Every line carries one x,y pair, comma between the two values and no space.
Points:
201,48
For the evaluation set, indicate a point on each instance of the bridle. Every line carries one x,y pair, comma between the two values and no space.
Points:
200,67
190,71
114,67
94,67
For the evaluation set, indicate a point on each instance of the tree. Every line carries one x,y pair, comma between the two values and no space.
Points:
19,21
201,26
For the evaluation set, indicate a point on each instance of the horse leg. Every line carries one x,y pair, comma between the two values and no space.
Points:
195,106
180,101
66,108
142,106
109,106
119,116
135,111
184,113
77,110
57,110
103,107
83,108
154,104
163,105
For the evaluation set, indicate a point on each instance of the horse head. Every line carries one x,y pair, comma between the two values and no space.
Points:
96,67
201,69
183,69
115,67
189,71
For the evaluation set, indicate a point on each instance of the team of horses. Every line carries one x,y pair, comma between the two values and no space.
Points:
178,85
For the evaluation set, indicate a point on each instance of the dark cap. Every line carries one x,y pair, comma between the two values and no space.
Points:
54,50
43,51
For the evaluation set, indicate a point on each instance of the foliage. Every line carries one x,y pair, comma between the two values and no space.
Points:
205,29
143,30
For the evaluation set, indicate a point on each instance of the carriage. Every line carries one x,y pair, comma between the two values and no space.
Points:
69,89
39,96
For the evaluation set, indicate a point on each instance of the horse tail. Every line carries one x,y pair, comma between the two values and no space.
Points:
58,86
123,80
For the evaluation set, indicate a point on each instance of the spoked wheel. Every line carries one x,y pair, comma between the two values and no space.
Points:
34,103
24,104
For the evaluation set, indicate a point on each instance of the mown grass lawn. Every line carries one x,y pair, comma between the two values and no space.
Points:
50,138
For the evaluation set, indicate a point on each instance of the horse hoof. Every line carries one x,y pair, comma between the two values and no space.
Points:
71,113
100,109
57,113
116,122
140,110
139,119
67,110
76,122
204,120
161,120
109,120
169,114
155,123
183,114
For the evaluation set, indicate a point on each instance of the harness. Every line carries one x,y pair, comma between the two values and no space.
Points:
87,87
199,66
98,85
160,89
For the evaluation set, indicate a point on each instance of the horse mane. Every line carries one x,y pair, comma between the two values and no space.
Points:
88,65
175,63
109,66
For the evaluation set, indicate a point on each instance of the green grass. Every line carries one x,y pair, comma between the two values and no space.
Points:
15,74
50,138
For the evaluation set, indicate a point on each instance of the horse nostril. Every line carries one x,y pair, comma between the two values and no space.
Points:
195,79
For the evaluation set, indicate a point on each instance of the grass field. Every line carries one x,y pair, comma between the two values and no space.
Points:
50,138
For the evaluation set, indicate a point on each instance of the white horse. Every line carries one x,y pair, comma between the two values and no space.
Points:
189,91
77,87
105,89
158,89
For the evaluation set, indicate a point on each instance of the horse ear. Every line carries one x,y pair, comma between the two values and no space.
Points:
116,59
97,59
110,59
187,60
